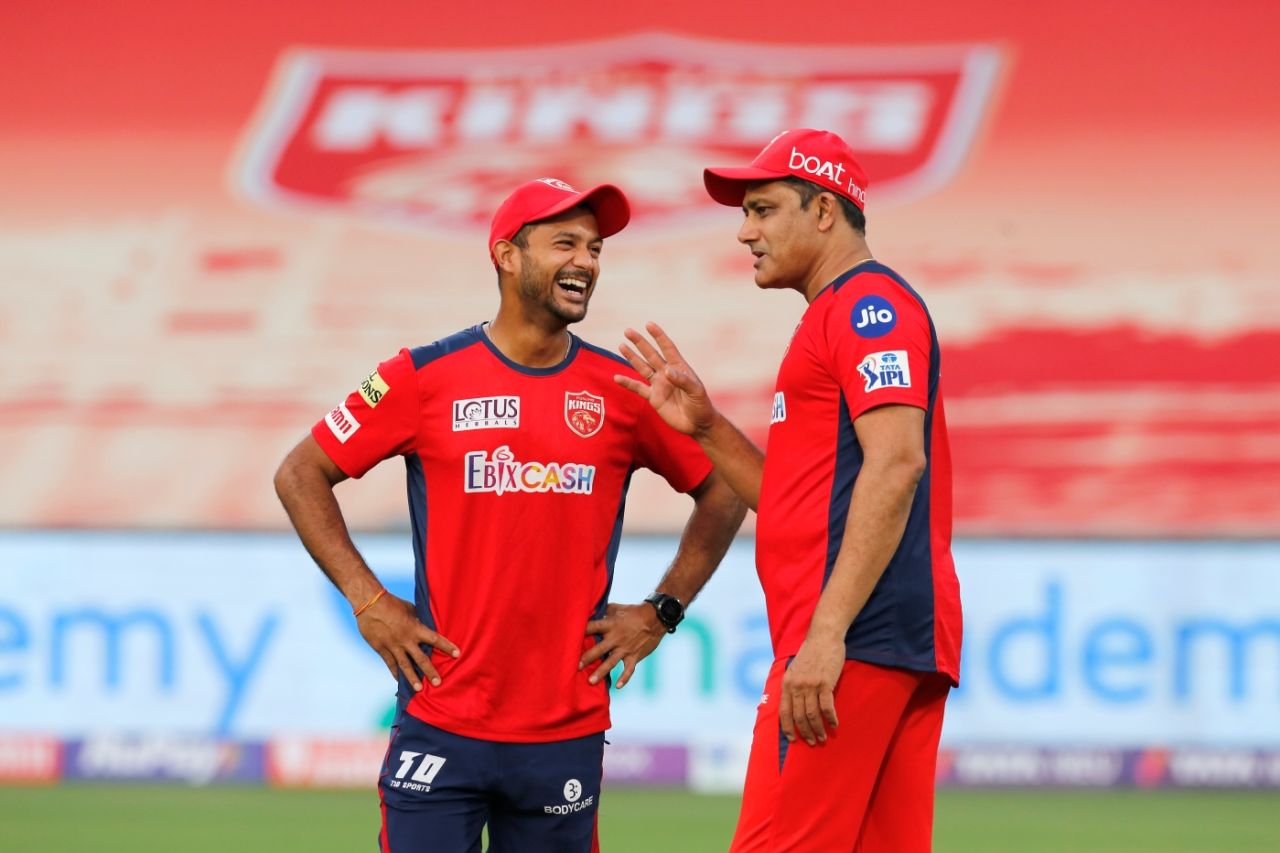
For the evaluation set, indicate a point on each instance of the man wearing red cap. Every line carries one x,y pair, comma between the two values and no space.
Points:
853,541
518,448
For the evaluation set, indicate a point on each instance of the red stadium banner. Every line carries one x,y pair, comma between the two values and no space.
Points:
197,264
438,138
324,762
29,759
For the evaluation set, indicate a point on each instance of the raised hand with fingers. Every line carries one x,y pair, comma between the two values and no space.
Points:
391,628
670,385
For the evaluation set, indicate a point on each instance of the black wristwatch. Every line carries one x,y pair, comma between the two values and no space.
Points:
670,610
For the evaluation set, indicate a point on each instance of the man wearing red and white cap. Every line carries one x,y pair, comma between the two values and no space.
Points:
853,542
518,448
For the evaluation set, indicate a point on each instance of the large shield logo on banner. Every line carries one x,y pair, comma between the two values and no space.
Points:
583,412
437,139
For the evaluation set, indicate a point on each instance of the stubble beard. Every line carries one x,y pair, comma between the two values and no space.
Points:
539,288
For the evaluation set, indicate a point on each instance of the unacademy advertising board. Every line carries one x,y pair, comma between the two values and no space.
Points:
1066,643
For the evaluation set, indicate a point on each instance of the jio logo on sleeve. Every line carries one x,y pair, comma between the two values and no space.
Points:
873,317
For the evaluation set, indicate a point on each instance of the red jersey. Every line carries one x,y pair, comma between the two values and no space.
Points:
865,341
517,478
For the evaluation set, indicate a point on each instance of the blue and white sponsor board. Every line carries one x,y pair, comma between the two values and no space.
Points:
1120,643
1117,644
188,634
1066,643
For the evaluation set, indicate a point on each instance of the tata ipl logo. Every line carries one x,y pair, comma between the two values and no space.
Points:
436,139
890,369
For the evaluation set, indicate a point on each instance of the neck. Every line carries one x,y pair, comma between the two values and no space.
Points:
528,343
832,265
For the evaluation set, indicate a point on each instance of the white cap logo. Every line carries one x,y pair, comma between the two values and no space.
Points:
558,184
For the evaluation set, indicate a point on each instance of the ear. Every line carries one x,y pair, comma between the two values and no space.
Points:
827,209
507,255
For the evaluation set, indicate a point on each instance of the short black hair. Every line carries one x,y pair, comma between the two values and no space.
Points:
808,191
521,237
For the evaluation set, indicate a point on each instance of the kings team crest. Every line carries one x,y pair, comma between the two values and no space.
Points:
436,139
583,412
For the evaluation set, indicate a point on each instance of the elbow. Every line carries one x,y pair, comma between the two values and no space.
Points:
910,471
284,478
717,497
290,476
913,468
904,470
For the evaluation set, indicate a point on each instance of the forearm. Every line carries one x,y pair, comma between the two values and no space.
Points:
878,511
736,458
717,515
307,496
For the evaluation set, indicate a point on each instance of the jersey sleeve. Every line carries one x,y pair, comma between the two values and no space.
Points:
878,345
676,457
378,420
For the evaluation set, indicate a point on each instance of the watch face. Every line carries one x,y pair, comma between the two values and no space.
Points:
671,610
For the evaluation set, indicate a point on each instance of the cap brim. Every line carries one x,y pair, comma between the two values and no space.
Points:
728,185
607,202
610,206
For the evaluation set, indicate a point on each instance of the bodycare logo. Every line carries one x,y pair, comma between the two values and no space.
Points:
437,139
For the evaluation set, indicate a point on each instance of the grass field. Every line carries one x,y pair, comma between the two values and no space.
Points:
143,819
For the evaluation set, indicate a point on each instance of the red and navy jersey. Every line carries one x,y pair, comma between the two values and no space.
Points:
867,340
517,478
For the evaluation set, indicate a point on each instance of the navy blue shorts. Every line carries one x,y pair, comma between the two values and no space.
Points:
439,789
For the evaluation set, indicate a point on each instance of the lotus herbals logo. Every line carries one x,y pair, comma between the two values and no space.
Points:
486,413
438,138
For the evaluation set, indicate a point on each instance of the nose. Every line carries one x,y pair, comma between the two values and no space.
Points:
748,232
583,259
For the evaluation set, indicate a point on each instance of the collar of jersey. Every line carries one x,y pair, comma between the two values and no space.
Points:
574,345
836,283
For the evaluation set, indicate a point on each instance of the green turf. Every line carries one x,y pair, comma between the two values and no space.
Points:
1107,822
143,819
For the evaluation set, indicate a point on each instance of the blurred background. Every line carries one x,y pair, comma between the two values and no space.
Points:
216,219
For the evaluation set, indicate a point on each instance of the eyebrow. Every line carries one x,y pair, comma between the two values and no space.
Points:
574,236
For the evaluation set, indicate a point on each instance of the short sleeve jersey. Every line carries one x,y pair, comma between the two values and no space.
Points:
867,340
517,479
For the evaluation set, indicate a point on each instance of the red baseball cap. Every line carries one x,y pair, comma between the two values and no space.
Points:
545,197
818,156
